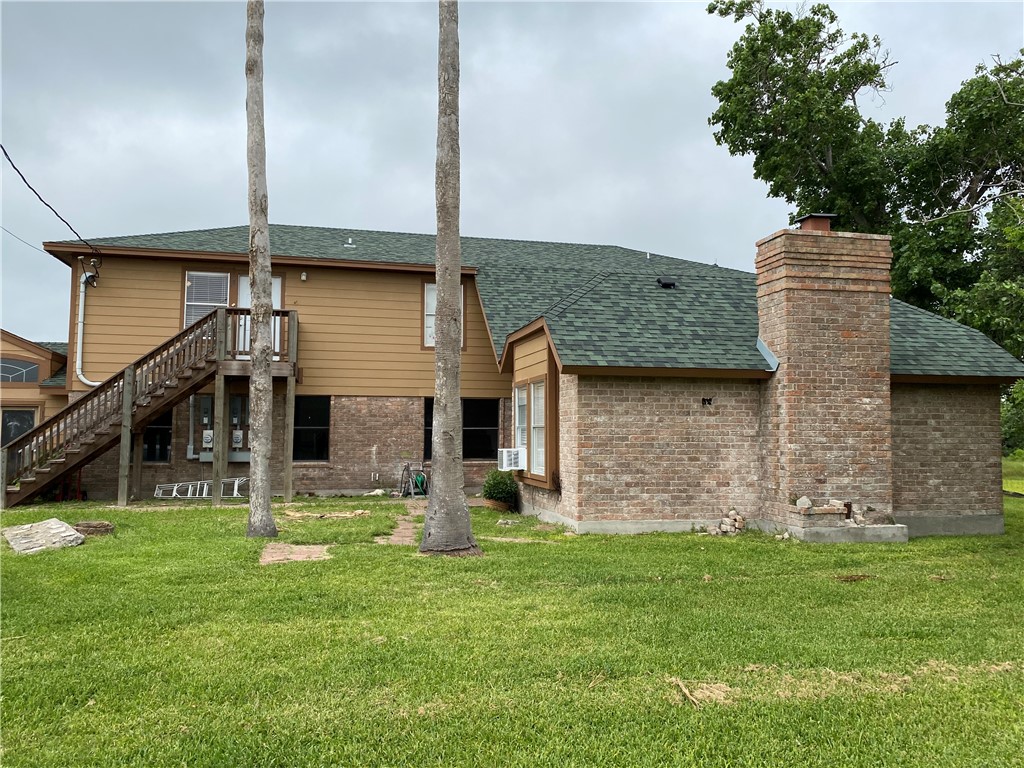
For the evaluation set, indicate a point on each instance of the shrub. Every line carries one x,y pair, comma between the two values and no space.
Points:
501,486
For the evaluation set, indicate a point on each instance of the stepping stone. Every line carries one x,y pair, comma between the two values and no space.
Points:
37,537
279,552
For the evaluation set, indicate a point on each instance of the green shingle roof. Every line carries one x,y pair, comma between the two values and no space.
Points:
59,379
602,303
60,347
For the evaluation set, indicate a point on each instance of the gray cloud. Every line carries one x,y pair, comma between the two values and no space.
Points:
580,121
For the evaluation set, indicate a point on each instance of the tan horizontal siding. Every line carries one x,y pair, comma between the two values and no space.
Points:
136,306
530,358
360,331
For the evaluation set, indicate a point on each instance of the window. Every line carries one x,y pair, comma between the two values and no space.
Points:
16,422
430,310
204,292
529,424
480,419
520,416
18,371
312,428
156,439
537,428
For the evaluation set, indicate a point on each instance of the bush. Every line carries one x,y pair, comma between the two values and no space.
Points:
501,486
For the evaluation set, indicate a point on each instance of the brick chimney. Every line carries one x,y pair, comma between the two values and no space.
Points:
823,310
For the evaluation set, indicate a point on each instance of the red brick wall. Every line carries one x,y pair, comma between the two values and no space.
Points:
946,450
649,450
823,310
371,438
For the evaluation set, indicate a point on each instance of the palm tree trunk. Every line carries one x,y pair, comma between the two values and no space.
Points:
446,528
261,384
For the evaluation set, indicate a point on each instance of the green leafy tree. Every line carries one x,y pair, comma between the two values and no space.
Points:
792,102
950,195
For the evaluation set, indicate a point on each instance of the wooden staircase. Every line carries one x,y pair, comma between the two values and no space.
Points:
157,381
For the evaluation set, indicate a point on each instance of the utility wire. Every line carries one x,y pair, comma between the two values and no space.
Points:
26,242
22,175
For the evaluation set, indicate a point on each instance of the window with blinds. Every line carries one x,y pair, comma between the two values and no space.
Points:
204,292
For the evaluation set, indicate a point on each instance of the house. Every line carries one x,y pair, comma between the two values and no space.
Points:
32,382
649,393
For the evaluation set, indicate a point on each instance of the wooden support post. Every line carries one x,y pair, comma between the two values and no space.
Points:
124,467
220,434
3,478
289,438
289,404
222,334
136,487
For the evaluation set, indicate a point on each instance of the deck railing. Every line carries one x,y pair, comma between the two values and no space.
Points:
223,334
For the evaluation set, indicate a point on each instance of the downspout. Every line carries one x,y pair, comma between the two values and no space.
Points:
80,341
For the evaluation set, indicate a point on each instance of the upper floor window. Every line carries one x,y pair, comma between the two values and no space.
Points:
204,292
18,371
430,312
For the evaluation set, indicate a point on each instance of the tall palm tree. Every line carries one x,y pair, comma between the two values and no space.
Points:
261,384
446,529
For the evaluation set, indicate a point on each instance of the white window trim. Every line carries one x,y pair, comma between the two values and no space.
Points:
538,459
428,341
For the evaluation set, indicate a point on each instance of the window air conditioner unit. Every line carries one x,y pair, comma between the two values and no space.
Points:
511,458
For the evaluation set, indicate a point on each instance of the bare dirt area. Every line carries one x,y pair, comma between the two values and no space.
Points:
279,552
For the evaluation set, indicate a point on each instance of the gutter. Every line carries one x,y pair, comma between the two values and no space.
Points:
80,341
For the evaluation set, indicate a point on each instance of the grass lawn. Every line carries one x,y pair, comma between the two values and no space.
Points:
167,644
1013,475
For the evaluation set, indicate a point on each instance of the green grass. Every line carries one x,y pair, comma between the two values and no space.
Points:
1013,476
166,644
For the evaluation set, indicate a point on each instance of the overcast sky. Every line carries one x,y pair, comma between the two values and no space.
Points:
581,122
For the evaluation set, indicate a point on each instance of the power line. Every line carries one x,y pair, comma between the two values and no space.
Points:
91,246
26,242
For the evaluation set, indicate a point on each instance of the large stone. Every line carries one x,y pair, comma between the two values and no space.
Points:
36,537
804,503
94,527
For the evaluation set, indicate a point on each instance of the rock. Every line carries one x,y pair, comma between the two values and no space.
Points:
837,503
785,536
804,503
778,537
715,531
378,492
36,537
860,520
859,509
94,527
741,524
733,514
508,522
726,522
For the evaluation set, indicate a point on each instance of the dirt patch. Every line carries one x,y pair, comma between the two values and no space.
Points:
327,515
279,552
852,577
698,694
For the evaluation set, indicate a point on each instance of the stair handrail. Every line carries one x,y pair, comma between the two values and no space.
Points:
101,406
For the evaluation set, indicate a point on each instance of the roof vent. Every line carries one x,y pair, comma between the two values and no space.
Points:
350,244
667,282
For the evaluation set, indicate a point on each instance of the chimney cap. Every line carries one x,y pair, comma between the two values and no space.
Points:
816,222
